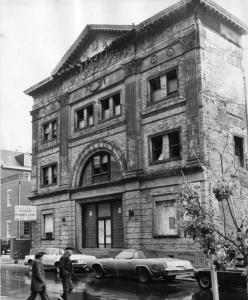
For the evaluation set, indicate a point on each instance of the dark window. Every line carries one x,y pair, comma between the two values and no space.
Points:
105,109
26,228
239,152
165,146
54,129
163,85
46,132
49,174
171,82
174,144
102,167
54,174
116,105
157,147
45,176
84,117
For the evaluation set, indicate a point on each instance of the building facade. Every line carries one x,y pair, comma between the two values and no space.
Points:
15,190
123,115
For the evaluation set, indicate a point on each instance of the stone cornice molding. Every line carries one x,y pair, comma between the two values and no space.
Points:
63,99
35,114
132,67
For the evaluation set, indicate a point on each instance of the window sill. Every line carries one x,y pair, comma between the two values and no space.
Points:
83,128
48,185
156,236
111,118
51,140
173,95
158,162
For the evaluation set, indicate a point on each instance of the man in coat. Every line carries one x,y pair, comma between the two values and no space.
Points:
38,285
66,273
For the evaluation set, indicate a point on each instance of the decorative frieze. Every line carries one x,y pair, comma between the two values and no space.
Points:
64,99
189,41
133,67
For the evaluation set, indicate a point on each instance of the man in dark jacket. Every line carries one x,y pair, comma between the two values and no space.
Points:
38,285
66,273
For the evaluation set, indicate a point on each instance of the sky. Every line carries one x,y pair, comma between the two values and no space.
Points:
34,36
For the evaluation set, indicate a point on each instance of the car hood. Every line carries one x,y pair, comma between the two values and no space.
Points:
82,256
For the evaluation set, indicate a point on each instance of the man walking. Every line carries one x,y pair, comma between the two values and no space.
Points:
66,273
38,285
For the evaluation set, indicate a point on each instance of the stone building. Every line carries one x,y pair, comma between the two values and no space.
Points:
123,114
15,190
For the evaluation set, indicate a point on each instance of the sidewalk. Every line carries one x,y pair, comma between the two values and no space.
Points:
7,260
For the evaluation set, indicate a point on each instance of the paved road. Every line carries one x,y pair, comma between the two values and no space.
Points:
15,285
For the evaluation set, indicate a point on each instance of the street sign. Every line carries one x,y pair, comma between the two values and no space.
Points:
25,213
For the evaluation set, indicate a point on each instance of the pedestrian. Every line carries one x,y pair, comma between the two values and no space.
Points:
66,273
38,284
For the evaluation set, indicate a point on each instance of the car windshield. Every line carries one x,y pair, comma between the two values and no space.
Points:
153,254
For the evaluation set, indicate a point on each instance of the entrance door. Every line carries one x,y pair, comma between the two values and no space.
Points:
104,233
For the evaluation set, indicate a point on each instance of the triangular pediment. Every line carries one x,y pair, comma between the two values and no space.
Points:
93,40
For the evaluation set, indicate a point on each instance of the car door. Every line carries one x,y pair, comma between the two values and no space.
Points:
122,263
53,257
45,257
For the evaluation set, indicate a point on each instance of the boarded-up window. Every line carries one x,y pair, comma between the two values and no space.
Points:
165,218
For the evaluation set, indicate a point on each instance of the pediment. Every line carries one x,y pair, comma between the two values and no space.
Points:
93,40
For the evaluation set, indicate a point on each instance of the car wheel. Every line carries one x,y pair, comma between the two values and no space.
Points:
169,278
57,268
143,275
30,265
204,281
98,272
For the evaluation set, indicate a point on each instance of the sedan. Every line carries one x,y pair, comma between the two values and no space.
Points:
52,256
229,277
141,264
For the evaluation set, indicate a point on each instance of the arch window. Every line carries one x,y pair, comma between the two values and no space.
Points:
101,167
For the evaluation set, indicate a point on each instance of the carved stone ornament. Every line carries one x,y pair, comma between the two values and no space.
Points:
53,106
35,114
94,86
170,51
154,59
133,67
44,110
189,41
64,99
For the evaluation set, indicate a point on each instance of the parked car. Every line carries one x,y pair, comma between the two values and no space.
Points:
230,277
52,256
142,264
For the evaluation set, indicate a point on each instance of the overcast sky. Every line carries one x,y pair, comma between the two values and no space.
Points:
35,34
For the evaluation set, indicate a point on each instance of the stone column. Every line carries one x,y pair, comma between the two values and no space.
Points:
35,134
63,132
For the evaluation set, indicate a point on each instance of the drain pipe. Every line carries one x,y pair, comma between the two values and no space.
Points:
19,203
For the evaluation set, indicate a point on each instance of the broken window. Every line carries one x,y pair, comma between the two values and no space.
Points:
50,131
239,152
111,106
84,117
49,175
166,146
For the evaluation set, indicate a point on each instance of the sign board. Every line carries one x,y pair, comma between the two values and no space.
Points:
25,213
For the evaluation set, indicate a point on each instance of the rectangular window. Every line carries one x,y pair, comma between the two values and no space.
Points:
165,146
111,106
54,129
116,105
26,176
84,117
8,197
8,223
163,85
26,228
49,175
46,132
105,109
54,173
165,218
238,149
48,226
50,131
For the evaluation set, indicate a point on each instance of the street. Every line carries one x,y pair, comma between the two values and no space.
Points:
16,279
